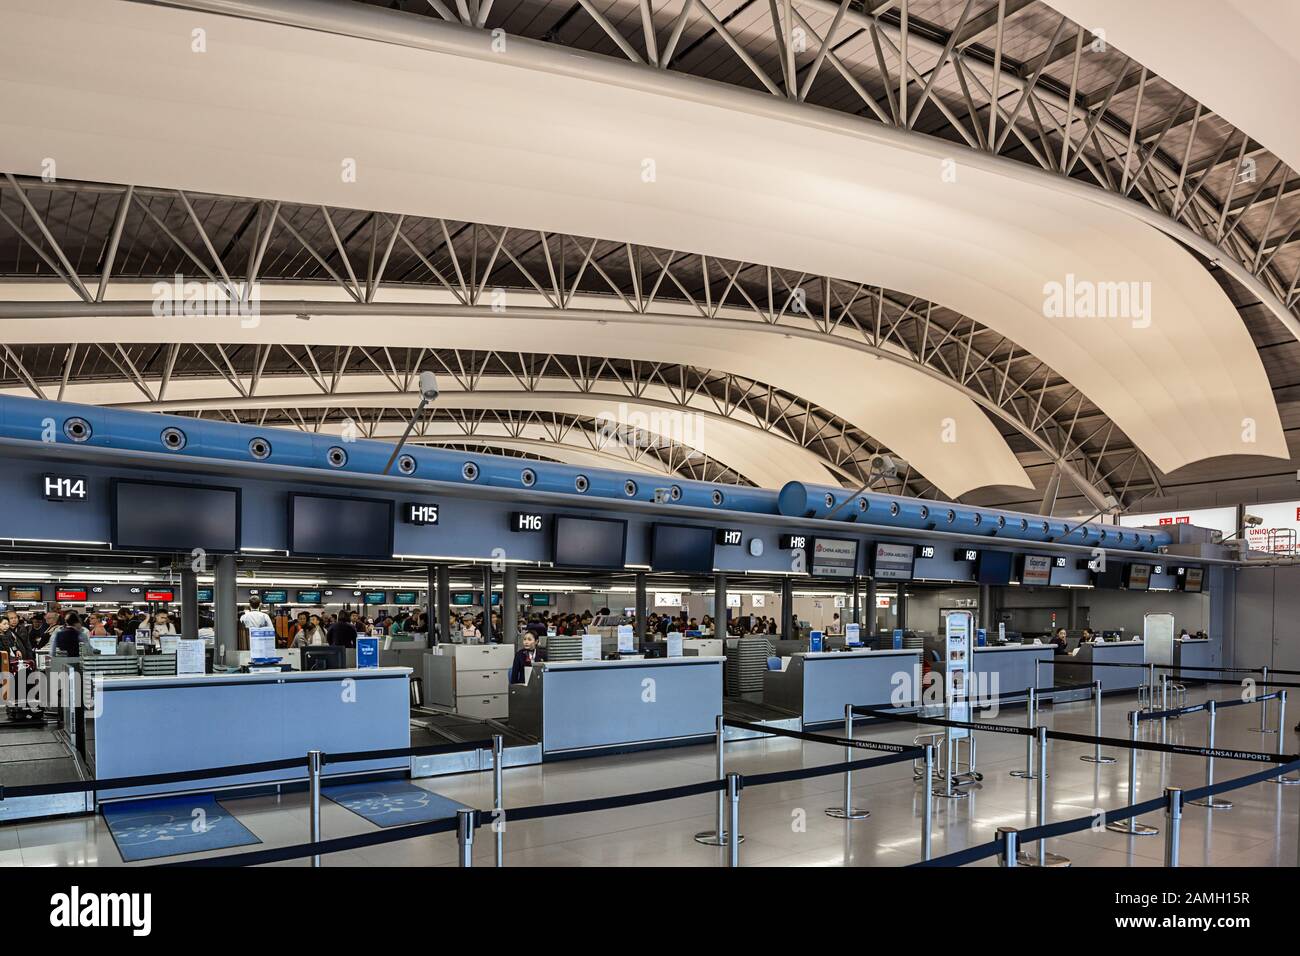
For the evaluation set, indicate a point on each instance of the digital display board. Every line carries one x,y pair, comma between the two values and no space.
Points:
405,597
1194,580
25,592
893,562
275,597
589,542
204,595
1036,570
332,526
994,567
833,557
375,597
70,594
679,547
541,600
1138,577
160,596
165,516
308,597
462,598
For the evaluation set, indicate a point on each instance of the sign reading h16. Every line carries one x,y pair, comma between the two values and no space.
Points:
65,488
527,521
420,514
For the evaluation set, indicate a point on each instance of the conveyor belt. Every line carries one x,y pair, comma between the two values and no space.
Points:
753,712
21,753
432,727
34,757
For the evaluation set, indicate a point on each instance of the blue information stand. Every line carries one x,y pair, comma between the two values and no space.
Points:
367,651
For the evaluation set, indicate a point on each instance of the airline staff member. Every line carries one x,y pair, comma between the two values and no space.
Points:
525,656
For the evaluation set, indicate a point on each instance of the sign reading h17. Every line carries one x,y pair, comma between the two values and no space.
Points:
527,521
729,537
420,514
65,488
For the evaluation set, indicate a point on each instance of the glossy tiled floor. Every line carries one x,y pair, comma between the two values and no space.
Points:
784,824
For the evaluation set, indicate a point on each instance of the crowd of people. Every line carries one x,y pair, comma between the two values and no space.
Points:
64,632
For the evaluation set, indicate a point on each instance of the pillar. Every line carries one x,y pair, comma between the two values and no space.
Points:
986,607
719,597
488,636
901,604
857,603
510,605
641,611
440,579
787,608
189,603
225,610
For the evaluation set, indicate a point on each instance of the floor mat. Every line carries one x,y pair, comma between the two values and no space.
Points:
391,803
171,826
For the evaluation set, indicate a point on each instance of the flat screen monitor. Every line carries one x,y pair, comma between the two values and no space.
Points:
993,567
204,595
833,558
104,645
541,600
375,597
462,598
1109,575
1194,580
333,526
70,594
323,657
275,597
589,542
25,592
308,597
893,562
404,597
1138,577
680,547
167,516
1036,570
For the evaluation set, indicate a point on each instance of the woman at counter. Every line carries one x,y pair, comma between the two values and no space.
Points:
525,656
1060,641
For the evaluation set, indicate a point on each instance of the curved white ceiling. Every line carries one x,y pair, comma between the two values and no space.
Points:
1238,57
761,456
940,432
538,137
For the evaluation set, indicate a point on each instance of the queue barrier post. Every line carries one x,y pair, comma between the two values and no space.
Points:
848,811
313,798
1282,778
733,827
1164,705
927,811
1131,826
1173,823
465,837
1031,717
1151,686
1041,857
718,835
498,795
1264,727
1097,756
1209,802
1009,837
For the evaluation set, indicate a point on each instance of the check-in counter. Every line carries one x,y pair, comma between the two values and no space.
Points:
1195,652
817,686
1091,666
151,725
1011,668
575,706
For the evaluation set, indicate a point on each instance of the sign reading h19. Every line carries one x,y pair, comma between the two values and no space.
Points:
729,537
414,513
65,488
531,522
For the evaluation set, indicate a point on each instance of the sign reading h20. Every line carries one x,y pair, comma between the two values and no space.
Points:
414,513
65,487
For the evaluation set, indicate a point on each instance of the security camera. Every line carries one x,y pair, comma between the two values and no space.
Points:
663,496
1253,521
884,466
428,386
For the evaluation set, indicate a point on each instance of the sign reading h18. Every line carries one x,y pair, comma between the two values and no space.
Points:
65,488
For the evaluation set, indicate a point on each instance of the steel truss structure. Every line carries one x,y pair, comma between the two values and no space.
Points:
103,241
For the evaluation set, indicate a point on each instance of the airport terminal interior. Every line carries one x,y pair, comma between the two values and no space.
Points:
649,433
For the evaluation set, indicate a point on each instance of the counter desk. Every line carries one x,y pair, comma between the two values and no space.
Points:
154,725
818,685
1090,665
1011,668
1196,652
582,706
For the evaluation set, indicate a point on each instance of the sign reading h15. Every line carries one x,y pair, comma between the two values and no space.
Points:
414,513
531,522
65,488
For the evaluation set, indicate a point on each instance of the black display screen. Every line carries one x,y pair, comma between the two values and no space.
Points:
326,526
1193,580
164,516
1110,576
1138,578
679,547
994,567
590,542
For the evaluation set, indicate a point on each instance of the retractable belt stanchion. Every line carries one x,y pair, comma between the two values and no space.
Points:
1008,855
465,837
718,835
733,818
1031,715
1151,686
927,813
313,791
1209,802
848,811
1131,826
498,793
1097,756
1173,823
1041,857
1164,704
1285,779
1263,727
